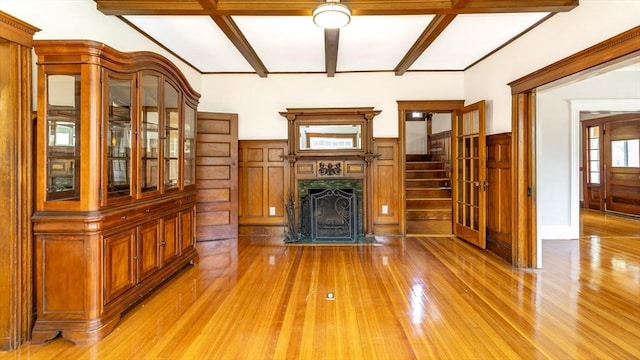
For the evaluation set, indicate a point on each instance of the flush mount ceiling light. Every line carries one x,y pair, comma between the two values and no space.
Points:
331,15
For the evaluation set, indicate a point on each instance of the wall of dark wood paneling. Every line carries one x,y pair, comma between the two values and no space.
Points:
263,178
386,186
440,149
499,195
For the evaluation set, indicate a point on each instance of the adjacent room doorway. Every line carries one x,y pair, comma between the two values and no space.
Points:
425,138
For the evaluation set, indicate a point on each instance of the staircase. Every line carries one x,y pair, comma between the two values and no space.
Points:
428,192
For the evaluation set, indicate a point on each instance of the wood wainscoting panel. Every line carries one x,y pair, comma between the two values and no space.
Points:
263,186
216,176
386,187
499,195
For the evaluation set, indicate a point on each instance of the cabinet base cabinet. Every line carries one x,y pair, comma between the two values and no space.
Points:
115,188
88,271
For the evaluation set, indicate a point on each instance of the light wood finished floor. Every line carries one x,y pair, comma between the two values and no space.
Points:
413,298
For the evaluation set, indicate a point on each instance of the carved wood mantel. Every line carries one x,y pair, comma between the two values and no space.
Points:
350,160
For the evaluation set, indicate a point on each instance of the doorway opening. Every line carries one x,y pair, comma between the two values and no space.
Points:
526,131
425,143
428,203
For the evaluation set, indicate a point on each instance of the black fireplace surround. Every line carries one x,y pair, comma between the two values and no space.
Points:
330,211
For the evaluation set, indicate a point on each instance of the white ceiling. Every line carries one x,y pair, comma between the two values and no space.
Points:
293,44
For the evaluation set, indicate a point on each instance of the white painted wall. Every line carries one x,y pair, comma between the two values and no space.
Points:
441,122
564,34
258,101
558,150
80,20
416,137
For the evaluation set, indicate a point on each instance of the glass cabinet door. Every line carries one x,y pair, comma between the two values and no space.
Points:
189,145
63,137
118,144
149,131
171,136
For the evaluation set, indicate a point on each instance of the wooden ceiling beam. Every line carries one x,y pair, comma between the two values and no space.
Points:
233,33
150,7
428,36
231,30
331,40
306,7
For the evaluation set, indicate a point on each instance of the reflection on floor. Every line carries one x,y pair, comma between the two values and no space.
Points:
604,224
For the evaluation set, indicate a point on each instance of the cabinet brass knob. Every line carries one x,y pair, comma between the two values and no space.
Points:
147,210
123,217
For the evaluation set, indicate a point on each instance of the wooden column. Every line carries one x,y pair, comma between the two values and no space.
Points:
16,165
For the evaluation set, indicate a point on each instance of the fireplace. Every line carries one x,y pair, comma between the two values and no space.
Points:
330,211
330,149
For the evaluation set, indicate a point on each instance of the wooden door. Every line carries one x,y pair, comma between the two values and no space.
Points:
169,246
217,176
622,165
469,156
186,230
148,248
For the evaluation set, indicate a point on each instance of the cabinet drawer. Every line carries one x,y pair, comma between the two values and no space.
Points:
122,218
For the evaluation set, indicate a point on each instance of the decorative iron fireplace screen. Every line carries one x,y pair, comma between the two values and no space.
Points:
333,216
350,189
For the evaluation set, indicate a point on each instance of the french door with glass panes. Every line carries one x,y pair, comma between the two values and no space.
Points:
469,156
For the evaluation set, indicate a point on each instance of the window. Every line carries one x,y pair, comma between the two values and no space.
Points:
593,154
625,153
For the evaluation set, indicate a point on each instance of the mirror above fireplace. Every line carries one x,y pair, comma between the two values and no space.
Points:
330,131
330,137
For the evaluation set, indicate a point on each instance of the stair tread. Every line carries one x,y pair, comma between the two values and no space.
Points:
431,209
428,198
434,189
425,170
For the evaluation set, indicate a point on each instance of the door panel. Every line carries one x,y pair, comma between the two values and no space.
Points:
119,264
622,156
169,245
217,176
469,174
148,249
186,230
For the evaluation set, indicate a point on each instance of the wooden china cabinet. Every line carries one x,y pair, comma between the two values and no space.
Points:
115,189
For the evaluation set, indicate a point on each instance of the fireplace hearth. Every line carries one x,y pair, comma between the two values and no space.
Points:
330,211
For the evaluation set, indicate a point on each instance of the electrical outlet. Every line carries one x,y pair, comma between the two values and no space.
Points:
272,210
385,209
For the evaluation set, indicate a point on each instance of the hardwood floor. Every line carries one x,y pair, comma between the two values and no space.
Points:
413,298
